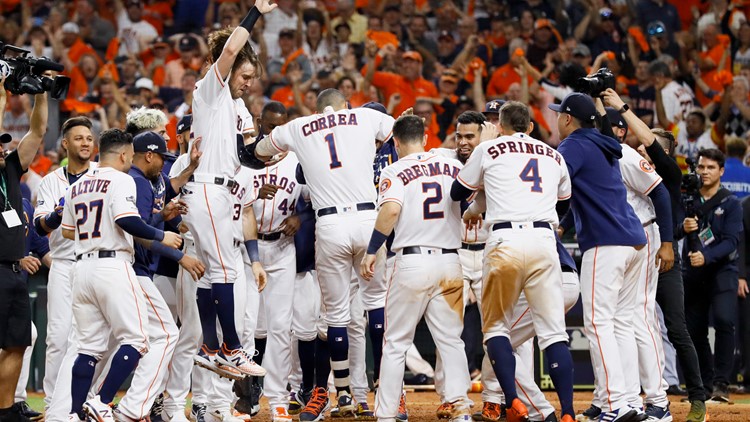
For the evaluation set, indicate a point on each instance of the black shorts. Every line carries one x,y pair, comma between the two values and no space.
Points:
15,310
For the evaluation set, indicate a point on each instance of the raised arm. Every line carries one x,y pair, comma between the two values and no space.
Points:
38,127
240,35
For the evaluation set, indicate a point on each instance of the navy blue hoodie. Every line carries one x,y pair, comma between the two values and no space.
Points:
599,203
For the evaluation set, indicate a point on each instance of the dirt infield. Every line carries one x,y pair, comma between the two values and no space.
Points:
422,406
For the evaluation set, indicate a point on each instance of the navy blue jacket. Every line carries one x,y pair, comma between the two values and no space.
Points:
149,197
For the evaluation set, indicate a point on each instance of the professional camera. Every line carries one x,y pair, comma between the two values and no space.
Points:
596,84
25,75
691,198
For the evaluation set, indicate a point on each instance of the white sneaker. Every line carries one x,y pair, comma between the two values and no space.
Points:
174,415
221,415
280,414
98,411
240,360
73,417
244,416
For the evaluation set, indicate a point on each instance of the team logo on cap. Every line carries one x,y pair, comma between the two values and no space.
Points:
493,105
153,147
385,184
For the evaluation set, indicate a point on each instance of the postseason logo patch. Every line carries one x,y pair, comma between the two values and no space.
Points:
130,199
385,184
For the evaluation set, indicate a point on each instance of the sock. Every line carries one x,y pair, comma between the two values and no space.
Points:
322,363
504,364
123,364
376,322
260,348
83,376
561,371
207,314
338,342
223,297
306,352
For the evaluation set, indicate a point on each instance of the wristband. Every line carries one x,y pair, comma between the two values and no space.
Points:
252,250
250,19
376,241
53,220
165,251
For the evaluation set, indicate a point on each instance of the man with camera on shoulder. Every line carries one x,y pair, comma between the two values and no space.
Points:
15,313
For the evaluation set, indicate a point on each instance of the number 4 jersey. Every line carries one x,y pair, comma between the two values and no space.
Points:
421,184
92,206
523,178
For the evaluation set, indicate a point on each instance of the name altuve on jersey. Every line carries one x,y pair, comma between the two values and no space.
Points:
521,147
431,169
88,186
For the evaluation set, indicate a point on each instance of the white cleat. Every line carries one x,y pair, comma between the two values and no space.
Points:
98,411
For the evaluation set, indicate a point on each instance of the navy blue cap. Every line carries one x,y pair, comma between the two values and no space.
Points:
151,142
375,106
5,138
578,105
185,123
615,118
493,106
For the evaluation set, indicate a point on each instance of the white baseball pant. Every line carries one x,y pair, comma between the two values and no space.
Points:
306,313
609,284
59,322
167,287
23,378
358,348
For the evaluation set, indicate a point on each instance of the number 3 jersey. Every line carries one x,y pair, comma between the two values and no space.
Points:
421,184
523,178
93,204
271,213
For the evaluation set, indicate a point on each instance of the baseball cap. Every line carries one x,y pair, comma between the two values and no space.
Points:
144,83
615,118
445,34
185,123
606,13
5,138
160,42
656,28
493,106
287,32
414,55
581,50
70,28
578,105
464,100
449,76
543,23
151,142
375,106
188,43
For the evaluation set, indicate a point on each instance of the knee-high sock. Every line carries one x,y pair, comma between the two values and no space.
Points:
306,351
504,365
123,364
83,376
223,296
376,322
207,315
338,342
561,372
322,363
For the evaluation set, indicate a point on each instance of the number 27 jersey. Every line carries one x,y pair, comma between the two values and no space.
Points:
93,204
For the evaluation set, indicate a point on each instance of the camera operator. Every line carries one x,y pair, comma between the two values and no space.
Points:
15,312
659,145
711,273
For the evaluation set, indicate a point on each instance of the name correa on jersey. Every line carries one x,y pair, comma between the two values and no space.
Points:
520,147
432,169
327,122
88,186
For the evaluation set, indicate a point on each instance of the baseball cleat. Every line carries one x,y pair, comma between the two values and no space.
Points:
589,415
720,394
623,414
240,360
697,412
364,413
345,404
155,415
445,410
403,414
174,415
198,413
24,410
241,415
219,415
280,415
298,400
206,359
98,411
73,417
491,412
316,407
516,412
658,414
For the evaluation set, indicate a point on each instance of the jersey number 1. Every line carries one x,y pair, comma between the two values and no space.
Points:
335,163
83,209
530,173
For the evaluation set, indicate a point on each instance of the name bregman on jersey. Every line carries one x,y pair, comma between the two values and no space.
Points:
88,186
328,122
432,169
520,147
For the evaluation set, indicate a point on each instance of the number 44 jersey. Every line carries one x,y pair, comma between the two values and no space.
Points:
271,213
421,184
93,204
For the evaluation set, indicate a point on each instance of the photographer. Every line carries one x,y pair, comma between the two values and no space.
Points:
711,273
15,313
659,145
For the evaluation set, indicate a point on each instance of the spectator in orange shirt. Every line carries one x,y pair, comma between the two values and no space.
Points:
94,30
156,58
715,58
190,58
159,14
506,74
72,42
409,83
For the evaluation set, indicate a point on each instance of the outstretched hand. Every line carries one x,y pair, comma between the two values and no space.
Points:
265,6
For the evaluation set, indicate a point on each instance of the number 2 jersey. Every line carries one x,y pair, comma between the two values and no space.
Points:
523,178
93,204
421,184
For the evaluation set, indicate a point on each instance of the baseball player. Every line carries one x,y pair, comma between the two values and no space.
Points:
427,277
101,215
78,142
610,236
336,149
522,252
217,110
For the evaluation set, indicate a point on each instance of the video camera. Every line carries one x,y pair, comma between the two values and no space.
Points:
25,75
691,199
597,83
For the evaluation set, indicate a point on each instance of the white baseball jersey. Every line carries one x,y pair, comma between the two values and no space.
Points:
500,163
271,213
51,191
421,184
640,179
217,118
242,196
92,206
678,101
470,235
336,150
